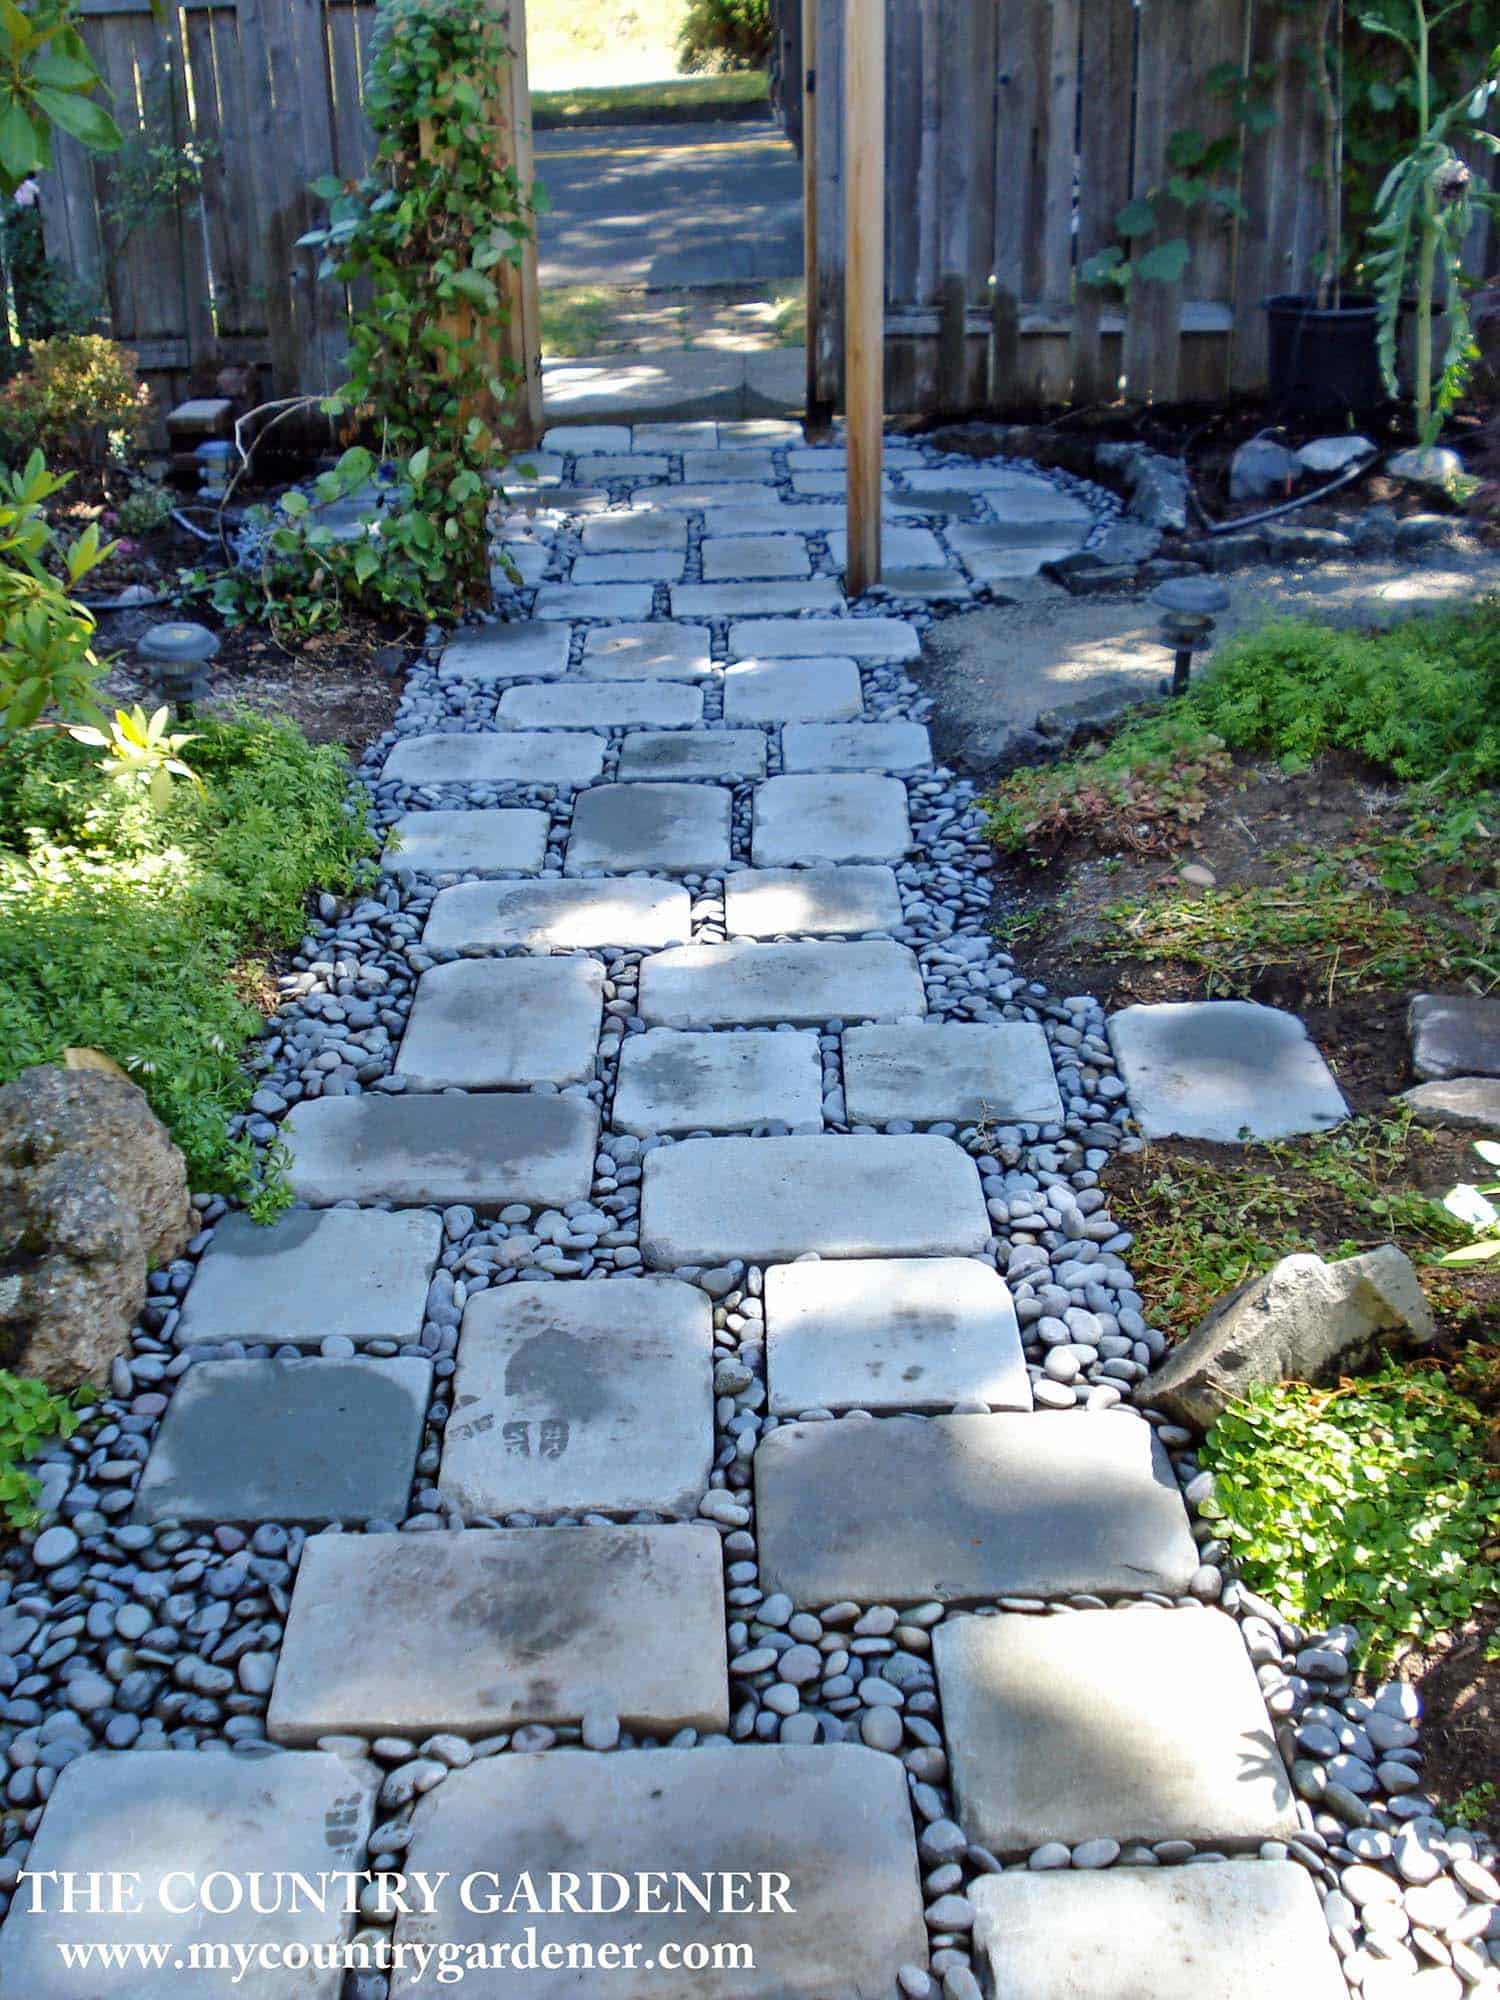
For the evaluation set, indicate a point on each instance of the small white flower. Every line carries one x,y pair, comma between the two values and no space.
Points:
28,194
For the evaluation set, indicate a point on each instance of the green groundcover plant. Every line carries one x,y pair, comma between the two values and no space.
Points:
138,927
29,1414
1372,1504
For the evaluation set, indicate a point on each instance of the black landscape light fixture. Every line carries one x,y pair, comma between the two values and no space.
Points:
1189,605
177,654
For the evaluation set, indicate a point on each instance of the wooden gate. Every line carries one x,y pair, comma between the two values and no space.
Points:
201,269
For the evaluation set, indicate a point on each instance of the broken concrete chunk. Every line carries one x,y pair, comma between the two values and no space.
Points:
1454,1034
1294,1322
1462,1104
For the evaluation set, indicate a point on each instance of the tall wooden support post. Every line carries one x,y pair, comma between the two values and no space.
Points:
864,281
521,340
819,416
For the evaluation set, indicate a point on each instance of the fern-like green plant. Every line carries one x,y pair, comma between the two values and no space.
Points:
1423,212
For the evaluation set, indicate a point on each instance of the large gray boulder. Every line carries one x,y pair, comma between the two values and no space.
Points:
92,1193
1302,1321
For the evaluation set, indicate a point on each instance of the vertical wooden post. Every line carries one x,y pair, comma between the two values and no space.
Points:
521,340
817,414
864,281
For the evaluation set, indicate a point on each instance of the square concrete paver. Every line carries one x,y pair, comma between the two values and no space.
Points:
792,690
743,985
1454,1034
558,916
801,638
676,1082
310,1274
659,652
901,548
629,566
467,843
728,754
731,557
745,600
594,600
1243,1930
578,1398
1028,1505
175,1814
678,829
855,746
497,757
429,1152
531,651
308,1440
579,704
622,465
834,818
637,531
935,1071
1171,1741
503,1024
769,1200
773,902
585,438
500,1626
900,1333
737,465
1223,1069
833,1821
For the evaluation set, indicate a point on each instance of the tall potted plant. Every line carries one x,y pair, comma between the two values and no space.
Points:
1323,343
1423,210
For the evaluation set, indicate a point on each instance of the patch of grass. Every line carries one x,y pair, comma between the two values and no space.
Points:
1204,1225
735,93
1371,1504
574,319
1140,793
141,933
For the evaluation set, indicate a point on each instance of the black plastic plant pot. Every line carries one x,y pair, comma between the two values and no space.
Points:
1324,358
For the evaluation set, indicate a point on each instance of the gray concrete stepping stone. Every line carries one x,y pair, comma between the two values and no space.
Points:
312,1274
585,438
739,556
501,757
622,465
1462,1104
792,690
1226,1070
746,600
831,1823
641,529
582,704
530,651
467,843
900,548
735,464
769,1200
500,1626
158,1813
966,1509
629,566
678,829
1134,1724
1239,1931
503,1024
594,600
660,652
307,1440
676,1082
801,638
856,746
702,496
737,432
775,517
429,1152
558,916
935,1071
899,1333
1454,1034
833,818
578,1398
730,754
773,902
744,985
695,434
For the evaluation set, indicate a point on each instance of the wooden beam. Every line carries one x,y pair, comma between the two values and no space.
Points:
818,412
864,281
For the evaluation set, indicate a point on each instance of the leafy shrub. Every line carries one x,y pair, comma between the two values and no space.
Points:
1421,701
79,398
1371,1504
47,658
145,510
423,236
29,1413
726,34
136,930
1140,793
49,298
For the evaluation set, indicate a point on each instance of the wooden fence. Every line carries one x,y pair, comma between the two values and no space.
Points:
1016,132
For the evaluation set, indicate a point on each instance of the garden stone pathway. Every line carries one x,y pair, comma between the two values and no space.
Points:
704,1328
